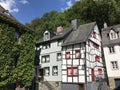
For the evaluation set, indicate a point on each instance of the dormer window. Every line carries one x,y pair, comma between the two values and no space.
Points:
113,35
46,35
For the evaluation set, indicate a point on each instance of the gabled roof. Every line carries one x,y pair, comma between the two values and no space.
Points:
79,35
57,36
105,36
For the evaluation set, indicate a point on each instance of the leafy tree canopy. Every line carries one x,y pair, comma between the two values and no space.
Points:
85,11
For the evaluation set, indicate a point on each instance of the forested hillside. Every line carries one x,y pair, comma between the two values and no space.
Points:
85,11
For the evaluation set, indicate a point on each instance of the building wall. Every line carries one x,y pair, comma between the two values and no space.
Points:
112,57
88,52
113,74
73,62
93,49
52,52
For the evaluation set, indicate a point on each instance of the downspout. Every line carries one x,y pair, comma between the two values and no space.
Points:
85,65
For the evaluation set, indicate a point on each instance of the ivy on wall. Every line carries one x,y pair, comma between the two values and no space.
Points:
16,59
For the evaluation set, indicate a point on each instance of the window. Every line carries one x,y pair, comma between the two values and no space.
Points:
46,35
100,71
59,43
46,71
45,59
46,46
113,34
97,58
77,54
111,49
59,57
114,64
89,42
95,45
55,71
72,71
94,34
67,55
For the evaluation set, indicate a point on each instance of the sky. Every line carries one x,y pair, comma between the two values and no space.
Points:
27,10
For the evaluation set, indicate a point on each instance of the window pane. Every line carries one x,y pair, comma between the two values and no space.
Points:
75,72
59,57
97,58
77,54
59,43
100,71
111,49
47,58
46,71
43,59
67,56
69,71
55,70
114,64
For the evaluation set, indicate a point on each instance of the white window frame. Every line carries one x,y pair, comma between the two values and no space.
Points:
59,56
113,35
46,71
114,65
112,49
55,70
45,59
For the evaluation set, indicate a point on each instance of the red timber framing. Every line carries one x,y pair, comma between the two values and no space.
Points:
93,75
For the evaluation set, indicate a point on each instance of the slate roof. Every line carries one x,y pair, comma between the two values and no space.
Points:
105,36
59,35
80,35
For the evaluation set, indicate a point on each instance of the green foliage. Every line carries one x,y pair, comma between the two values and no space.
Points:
85,11
16,59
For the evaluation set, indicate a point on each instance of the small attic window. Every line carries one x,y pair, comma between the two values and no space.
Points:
46,35
113,35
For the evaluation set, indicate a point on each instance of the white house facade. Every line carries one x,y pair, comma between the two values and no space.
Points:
82,60
111,47
51,59
71,59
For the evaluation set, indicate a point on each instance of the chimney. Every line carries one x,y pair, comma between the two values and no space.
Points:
59,29
75,24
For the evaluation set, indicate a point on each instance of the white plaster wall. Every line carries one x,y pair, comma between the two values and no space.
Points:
52,51
112,57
